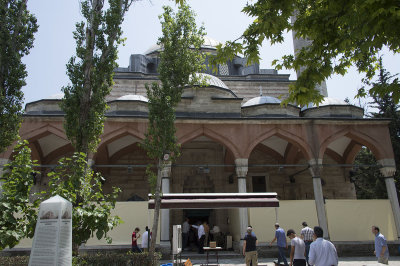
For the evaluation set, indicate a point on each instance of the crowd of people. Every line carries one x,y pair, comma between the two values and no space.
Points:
308,249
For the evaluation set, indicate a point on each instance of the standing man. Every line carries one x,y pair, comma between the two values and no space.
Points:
381,249
135,237
297,249
322,252
146,240
250,243
185,233
307,235
281,243
201,234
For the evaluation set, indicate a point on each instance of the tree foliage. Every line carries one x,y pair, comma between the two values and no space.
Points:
91,208
17,213
91,71
16,39
342,33
180,59
368,181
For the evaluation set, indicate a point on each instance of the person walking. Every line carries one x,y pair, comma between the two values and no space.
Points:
135,237
297,249
322,252
250,243
381,249
307,236
280,239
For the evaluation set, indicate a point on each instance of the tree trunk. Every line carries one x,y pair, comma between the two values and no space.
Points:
157,204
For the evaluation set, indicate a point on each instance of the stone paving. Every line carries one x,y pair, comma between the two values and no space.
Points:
350,261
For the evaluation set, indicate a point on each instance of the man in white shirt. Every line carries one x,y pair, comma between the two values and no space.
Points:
322,252
297,249
146,240
201,236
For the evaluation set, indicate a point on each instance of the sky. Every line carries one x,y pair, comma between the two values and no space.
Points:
223,21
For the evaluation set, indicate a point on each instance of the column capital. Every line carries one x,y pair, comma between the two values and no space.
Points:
315,167
166,169
242,166
388,167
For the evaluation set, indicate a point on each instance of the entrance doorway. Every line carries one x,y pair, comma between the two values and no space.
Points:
196,217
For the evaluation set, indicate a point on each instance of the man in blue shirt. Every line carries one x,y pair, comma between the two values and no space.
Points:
381,249
280,238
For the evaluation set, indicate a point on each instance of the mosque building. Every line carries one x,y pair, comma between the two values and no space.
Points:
235,137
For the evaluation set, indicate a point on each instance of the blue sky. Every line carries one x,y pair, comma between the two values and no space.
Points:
223,20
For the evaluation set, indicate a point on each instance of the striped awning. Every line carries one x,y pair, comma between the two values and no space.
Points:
216,200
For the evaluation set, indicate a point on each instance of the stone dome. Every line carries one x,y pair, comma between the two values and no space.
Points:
261,100
57,96
212,80
209,43
133,97
325,102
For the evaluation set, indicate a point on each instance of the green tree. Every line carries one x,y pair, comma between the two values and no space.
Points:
180,59
16,39
17,213
91,208
342,33
368,181
91,71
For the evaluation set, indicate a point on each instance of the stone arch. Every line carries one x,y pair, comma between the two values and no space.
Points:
286,135
204,131
354,135
43,131
114,135
33,135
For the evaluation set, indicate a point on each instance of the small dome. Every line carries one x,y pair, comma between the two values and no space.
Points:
133,97
57,96
261,100
209,43
325,102
212,80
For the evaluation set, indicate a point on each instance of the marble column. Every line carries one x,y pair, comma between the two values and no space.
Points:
3,162
241,172
315,169
165,188
388,170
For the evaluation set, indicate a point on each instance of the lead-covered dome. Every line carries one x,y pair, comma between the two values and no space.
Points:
325,102
133,97
261,100
209,43
331,107
212,80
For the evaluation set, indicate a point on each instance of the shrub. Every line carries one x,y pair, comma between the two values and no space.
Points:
112,259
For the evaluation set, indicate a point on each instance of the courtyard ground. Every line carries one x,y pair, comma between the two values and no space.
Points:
345,261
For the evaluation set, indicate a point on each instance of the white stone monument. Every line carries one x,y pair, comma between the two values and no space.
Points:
52,243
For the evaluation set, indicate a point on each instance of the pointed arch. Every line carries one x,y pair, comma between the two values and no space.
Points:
356,137
32,135
43,131
102,150
286,135
204,131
